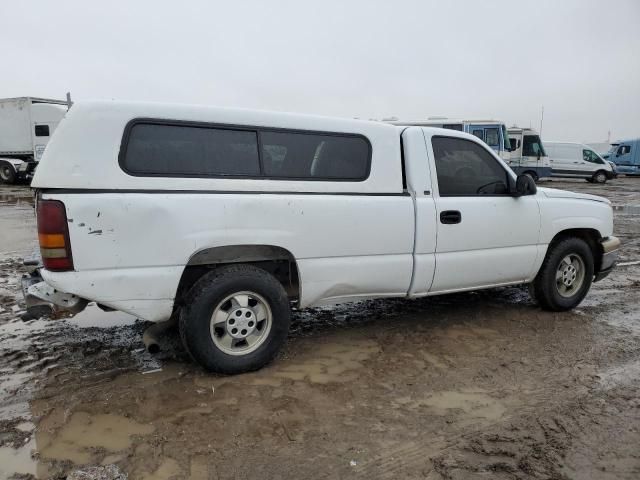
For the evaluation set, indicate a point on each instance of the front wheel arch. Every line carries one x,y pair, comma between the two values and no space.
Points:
589,235
566,274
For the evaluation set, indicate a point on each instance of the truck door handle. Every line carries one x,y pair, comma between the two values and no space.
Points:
449,217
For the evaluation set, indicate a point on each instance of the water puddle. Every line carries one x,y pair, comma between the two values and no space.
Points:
93,316
18,460
627,209
78,438
476,404
628,374
167,469
332,362
20,198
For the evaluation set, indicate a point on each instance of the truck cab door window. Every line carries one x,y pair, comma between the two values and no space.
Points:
42,130
591,157
465,168
492,137
478,133
622,156
532,146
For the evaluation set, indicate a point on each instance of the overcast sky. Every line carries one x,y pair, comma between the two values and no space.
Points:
367,59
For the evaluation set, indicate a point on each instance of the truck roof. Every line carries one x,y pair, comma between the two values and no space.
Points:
84,151
521,129
437,120
35,100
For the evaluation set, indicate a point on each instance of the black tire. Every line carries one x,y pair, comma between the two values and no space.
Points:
208,293
545,286
600,177
533,175
7,173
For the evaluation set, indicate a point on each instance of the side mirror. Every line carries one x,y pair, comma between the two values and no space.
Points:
524,186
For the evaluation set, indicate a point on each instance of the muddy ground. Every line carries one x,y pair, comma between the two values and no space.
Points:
477,385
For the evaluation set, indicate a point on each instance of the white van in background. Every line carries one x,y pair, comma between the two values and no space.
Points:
576,160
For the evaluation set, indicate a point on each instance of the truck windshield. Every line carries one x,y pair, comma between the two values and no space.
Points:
506,139
532,146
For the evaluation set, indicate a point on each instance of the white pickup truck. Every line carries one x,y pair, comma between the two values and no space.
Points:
224,218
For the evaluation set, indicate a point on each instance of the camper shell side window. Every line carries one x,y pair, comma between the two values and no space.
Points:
166,148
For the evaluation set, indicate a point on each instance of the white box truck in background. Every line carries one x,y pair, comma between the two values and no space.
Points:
26,125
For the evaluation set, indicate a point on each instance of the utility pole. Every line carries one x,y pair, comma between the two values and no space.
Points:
541,119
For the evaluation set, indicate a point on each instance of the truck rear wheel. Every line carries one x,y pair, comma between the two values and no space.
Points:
235,320
565,276
7,173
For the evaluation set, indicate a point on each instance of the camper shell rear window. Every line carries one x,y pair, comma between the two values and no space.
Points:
165,148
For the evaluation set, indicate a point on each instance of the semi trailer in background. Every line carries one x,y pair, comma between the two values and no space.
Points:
26,125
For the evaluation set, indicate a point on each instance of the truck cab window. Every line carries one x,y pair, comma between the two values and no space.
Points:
478,133
492,137
465,168
532,146
624,149
42,130
591,157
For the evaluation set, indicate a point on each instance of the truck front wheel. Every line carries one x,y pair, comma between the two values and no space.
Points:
565,276
235,320
7,173
599,177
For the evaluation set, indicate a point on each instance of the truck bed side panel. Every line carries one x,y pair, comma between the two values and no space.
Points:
345,245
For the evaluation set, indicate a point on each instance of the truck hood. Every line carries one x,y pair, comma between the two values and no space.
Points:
555,193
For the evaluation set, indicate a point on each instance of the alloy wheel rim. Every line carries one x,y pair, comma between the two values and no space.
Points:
570,275
240,323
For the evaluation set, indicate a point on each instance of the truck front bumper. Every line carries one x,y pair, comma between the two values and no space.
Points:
37,292
610,247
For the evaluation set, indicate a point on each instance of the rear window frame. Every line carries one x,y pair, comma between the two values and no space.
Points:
124,143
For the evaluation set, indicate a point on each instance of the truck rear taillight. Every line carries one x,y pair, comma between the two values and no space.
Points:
53,235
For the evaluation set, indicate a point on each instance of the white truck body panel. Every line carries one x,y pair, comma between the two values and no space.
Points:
18,117
15,126
133,236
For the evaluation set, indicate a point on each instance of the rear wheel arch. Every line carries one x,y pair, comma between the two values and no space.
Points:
277,261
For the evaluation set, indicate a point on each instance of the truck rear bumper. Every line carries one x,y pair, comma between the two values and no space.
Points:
37,292
610,247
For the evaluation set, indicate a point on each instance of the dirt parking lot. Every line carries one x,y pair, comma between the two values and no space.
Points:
476,385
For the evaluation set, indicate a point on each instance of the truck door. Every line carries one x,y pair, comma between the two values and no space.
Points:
486,237
418,179
41,135
624,158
